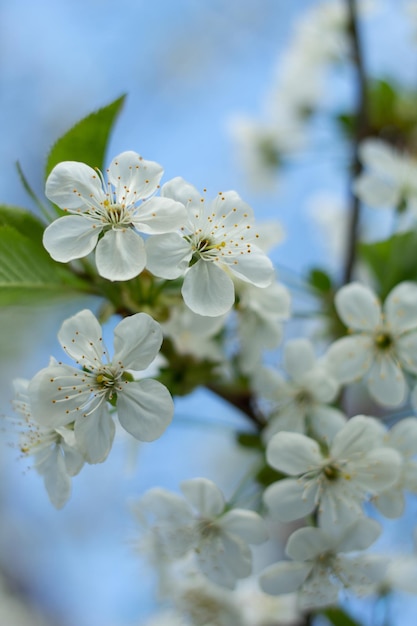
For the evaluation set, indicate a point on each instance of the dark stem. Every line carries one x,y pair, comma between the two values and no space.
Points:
361,131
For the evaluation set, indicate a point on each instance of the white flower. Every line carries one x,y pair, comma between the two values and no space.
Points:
61,394
261,609
118,210
337,482
56,456
320,567
383,343
402,437
216,242
218,536
193,334
389,178
260,313
300,404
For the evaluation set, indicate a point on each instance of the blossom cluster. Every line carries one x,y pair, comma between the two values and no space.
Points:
222,308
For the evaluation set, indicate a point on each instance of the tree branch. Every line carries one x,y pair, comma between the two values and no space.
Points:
361,131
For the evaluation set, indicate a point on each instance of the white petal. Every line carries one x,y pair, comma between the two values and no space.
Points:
208,290
359,435
376,192
286,500
181,191
293,453
81,337
57,482
400,307
72,185
284,577
386,382
168,256
120,254
325,422
248,525
160,215
223,559
95,433
204,496
145,409
133,177
358,307
57,394
299,358
350,358
390,503
137,340
307,543
378,155
406,351
379,470
70,237
74,460
359,535
403,436
321,384
255,268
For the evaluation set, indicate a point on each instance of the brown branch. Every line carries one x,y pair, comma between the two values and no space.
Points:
361,131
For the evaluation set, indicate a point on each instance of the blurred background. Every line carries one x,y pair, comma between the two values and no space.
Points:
189,68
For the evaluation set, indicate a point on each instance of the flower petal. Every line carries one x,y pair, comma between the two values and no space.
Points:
208,290
120,254
70,237
350,358
72,185
94,434
137,340
255,268
145,409
81,337
299,358
51,465
133,177
159,215
358,307
386,382
284,577
286,500
248,525
168,256
57,394
306,543
204,496
400,307
178,189
293,453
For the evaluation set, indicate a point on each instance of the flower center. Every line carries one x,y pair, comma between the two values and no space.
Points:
116,214
383,341
303,397
205,249
331,472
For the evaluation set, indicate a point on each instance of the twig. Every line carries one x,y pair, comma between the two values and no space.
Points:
361,131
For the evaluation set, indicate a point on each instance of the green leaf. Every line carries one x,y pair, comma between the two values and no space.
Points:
29,275
391,261
320,280
338,617
87,140
22,220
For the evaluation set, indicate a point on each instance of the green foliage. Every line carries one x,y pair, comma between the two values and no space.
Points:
27,272
338,617
320,280
392,114
87,140
391,261
24,221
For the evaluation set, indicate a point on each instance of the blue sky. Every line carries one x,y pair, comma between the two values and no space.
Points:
187,67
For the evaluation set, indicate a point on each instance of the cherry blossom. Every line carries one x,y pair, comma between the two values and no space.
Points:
109,215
